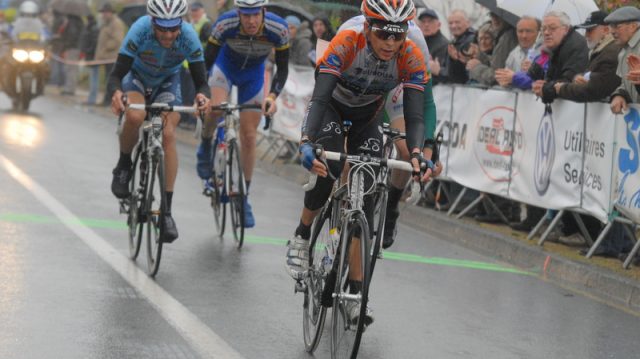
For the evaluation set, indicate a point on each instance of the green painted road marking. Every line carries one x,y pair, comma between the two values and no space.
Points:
395,256
407,257
89,222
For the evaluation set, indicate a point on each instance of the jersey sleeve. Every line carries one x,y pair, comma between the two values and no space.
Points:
220,30
193,46
413,68
340,53
133,39
278,31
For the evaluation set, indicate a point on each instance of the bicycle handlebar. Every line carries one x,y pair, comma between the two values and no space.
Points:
162,107
226,107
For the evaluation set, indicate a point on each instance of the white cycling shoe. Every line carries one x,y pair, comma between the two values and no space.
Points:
297,257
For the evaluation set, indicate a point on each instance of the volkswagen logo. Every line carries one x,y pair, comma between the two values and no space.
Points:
545,154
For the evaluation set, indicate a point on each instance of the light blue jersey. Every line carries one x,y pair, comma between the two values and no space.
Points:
153,63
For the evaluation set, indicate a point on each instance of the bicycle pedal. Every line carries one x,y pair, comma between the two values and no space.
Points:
380,255
300,287
124,206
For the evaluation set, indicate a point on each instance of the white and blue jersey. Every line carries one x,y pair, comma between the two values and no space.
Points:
153,63
245,51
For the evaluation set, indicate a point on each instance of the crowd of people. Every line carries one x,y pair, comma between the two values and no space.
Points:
554,60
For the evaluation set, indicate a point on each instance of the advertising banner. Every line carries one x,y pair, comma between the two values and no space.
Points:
547,165
293,101
482,139
598,160
627,162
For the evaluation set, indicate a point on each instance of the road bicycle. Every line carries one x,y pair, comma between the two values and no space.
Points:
227,186
146,205
341,229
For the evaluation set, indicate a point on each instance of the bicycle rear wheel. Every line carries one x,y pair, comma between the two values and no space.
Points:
345,333
314,313
155,210
135,219
235,187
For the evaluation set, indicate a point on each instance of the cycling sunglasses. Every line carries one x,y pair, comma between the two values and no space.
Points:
398,34
167,29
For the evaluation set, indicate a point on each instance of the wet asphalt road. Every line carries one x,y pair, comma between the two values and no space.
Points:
68,291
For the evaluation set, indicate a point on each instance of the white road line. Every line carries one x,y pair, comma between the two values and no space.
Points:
204,340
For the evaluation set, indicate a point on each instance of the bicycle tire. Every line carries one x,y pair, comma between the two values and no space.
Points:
235,186
155,210
217,204
313,312
136,200
346,336
380,215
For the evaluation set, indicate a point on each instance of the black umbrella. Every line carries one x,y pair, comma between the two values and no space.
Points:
130,13
508,17
283,10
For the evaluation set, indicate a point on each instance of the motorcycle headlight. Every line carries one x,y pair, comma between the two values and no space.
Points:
36,56
20,55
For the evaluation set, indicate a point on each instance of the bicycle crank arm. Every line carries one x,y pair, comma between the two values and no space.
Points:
300,287
349,297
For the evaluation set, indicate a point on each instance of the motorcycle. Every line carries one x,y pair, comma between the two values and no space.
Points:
25,70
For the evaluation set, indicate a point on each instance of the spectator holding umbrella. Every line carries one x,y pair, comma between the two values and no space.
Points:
482,69
321,30
568,51
110,37
300,41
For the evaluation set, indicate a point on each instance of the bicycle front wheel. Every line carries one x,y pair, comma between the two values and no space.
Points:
155,210
320,263
219,197
349,308
235,187
380,215
135,219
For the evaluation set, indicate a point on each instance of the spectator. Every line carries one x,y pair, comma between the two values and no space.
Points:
58,25
568,52
201,23
71,52
527,31
88,41
521,58
110,37
624,24
601,80
430,25
463,36
482,69
300,39
485,42
321,29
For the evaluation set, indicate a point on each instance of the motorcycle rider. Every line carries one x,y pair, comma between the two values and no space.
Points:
28,30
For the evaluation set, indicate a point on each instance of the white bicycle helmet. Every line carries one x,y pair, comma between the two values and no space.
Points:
395,11
250,3
167,13
29,8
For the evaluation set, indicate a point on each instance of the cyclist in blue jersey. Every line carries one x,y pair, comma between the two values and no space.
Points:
150,59
240,42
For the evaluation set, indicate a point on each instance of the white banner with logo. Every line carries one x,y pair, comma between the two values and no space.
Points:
480,151
598,160
547,167
627,164
293,101
442,96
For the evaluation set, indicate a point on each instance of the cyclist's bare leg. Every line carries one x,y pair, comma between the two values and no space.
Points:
133,120
218,96
249,121
308,216
170,152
